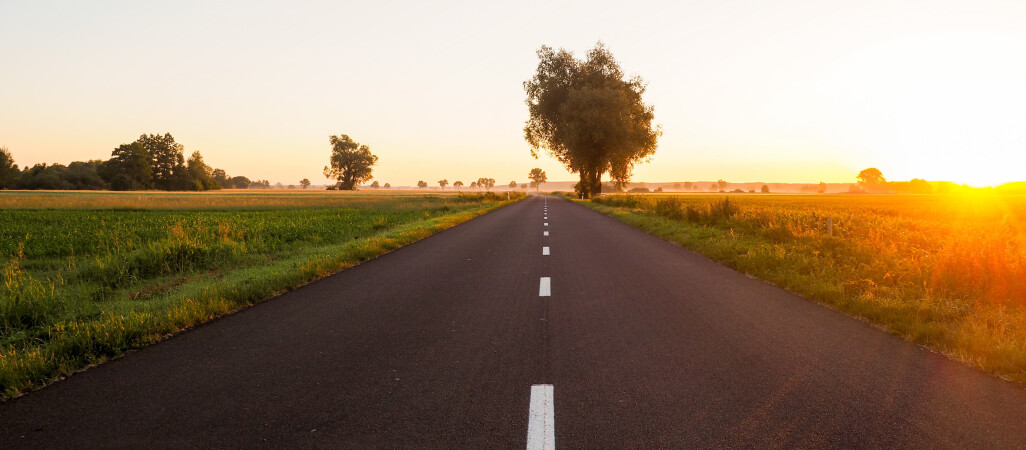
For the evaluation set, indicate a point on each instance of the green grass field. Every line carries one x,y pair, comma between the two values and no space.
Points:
948,272
87,276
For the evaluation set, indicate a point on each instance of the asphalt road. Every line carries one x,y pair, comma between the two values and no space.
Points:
451,343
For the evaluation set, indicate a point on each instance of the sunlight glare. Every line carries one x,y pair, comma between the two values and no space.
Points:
941,106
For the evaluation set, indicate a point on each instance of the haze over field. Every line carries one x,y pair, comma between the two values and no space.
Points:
790,91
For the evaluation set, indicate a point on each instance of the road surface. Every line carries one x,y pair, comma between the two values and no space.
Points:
539,324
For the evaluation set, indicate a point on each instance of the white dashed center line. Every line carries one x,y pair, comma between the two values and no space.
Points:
545,251
545,287
541,420
546,233
546,224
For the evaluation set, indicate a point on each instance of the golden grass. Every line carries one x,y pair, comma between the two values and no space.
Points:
208,200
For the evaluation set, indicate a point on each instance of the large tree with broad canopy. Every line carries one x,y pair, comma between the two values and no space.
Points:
589,116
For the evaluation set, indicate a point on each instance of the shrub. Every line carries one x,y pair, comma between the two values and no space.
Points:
620,201
670,207
723,210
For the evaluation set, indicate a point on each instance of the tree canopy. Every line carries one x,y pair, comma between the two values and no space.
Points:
132,166
167,158
129,168
871,177
200,174
350,162
589,116
8,169
537,177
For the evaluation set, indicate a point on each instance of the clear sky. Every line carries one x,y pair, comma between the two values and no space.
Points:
786,91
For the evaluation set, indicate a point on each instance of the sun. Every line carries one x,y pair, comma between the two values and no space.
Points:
938,106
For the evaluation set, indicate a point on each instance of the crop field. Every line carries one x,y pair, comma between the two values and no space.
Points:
224,199
87,276
946,271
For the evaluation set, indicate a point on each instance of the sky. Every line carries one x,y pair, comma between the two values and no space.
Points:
744,90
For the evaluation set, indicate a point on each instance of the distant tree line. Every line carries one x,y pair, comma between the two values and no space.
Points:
151,162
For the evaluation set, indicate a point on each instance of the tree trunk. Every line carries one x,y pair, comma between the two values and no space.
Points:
590,184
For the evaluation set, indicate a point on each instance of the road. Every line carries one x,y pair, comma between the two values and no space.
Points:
457,341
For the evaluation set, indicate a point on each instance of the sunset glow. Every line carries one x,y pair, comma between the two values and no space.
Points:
794,91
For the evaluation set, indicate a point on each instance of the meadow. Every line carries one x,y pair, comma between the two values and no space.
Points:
945,271
87,276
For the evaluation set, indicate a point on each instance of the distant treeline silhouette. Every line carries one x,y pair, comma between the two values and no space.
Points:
151,162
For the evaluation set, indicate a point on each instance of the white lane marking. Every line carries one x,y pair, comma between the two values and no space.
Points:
546,233
545,287
541,420
546,224
545,251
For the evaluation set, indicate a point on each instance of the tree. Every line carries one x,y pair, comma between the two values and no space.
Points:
919,186
485,183
350,162
457,184
240,182
688,186
765,189
821,188
387,186
537,177
221,178
77,175
305,182
473,185
523,186
422,184
589,117
42,176
871,178
9,173
200,173
443,183
375,184
722,185
512,184
129,168
167,157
